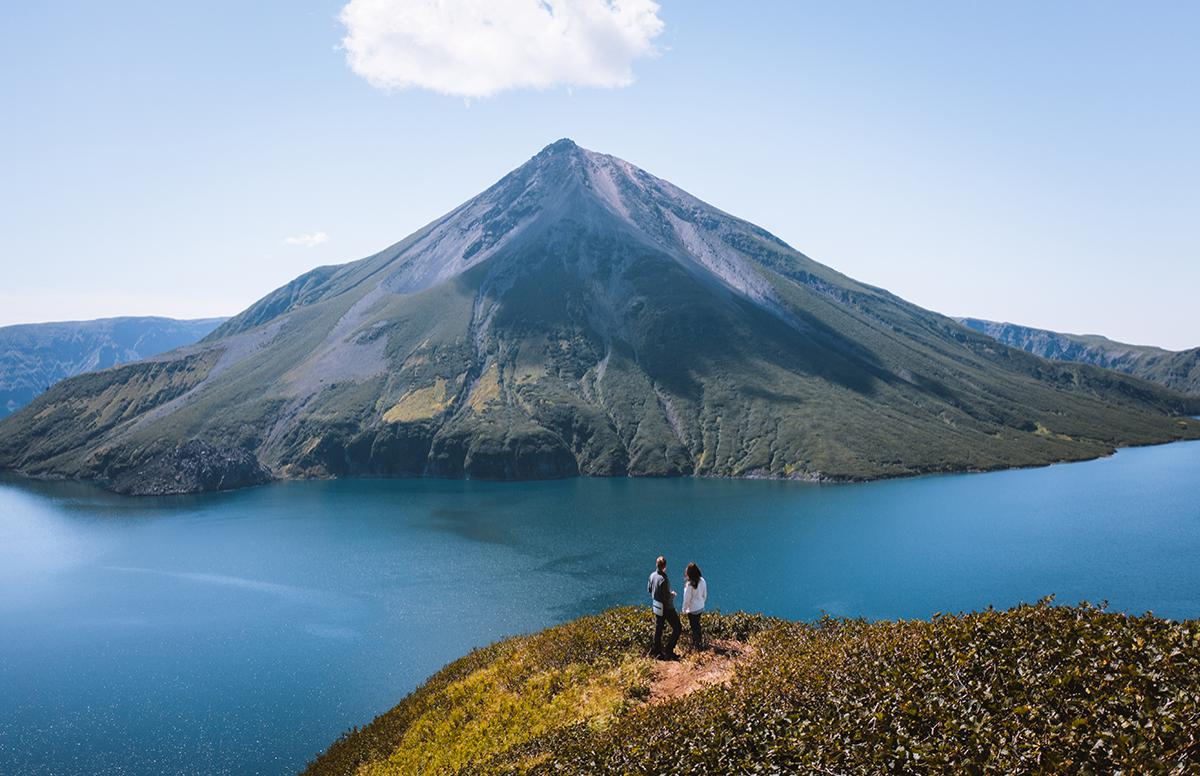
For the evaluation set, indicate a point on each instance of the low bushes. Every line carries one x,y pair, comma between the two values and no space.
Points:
1035,689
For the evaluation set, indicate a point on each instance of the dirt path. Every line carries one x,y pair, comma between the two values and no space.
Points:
696,670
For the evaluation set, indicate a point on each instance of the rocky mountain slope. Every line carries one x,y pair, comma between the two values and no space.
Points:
1178,370
581,317
34,356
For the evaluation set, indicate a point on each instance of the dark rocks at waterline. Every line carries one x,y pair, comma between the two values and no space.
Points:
190,467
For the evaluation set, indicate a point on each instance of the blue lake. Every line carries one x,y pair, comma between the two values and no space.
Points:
242,632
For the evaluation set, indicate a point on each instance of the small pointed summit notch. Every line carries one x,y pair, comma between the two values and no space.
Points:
562,145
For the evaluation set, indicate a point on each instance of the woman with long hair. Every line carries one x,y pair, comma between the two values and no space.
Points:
695,592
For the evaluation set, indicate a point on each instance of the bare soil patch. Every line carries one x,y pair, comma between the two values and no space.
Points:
697,670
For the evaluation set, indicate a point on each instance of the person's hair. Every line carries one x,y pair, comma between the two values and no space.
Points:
661,563
693,574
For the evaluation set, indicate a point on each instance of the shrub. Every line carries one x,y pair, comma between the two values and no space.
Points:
1036,689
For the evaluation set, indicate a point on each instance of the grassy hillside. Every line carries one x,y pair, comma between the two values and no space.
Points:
1177,370
1036,689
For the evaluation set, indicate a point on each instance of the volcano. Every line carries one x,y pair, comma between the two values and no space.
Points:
581,317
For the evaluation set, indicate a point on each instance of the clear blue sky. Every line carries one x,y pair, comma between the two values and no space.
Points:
1025,161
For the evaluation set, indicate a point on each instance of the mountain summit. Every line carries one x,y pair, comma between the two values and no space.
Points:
581,316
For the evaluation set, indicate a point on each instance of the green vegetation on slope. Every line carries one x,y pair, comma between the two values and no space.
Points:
1036,689
1177,370
582,317
34,356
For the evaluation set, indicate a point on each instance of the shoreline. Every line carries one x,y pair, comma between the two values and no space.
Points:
815,478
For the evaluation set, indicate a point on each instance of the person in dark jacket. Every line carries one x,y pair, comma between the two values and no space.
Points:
662,601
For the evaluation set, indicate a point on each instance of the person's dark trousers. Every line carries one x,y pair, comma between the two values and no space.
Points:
694,621
669,616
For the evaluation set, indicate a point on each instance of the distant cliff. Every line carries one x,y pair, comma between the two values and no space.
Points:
34,356
1179,370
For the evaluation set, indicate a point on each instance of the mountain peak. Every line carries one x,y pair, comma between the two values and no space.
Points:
562,151
580,316
563,155
566,191
560,145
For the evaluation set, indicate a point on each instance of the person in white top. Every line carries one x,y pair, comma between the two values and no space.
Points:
695,593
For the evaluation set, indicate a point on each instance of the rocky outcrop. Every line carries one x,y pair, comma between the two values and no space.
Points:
189,468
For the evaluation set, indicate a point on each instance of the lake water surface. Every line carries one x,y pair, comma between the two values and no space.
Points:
242,632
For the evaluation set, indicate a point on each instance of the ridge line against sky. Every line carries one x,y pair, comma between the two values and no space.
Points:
1022,163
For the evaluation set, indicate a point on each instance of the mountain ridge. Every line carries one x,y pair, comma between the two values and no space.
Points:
1175,369
582,317
34,356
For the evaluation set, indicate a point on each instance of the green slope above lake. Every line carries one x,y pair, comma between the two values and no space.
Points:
1036,689
581,317
1175,369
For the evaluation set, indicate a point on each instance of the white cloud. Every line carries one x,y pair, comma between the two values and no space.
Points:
307,240
476,48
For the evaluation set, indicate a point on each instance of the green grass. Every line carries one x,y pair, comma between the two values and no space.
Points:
1035,689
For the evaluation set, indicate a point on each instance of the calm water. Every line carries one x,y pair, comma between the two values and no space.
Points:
240,633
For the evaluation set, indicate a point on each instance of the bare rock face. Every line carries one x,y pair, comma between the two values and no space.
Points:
191,467
581,317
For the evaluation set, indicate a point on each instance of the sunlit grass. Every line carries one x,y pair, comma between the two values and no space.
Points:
1036,689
